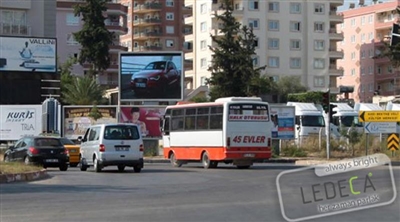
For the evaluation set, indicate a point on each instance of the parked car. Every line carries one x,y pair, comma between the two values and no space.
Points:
105,145
156,77
73,150
45,151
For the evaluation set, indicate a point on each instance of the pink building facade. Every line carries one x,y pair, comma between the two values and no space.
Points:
365,29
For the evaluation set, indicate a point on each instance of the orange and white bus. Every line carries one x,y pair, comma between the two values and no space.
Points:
233,130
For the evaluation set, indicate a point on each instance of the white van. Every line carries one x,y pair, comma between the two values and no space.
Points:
118,144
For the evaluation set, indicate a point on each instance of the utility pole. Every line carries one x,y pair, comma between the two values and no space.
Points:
326,104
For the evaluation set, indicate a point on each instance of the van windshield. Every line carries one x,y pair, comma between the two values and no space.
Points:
121,133
316,121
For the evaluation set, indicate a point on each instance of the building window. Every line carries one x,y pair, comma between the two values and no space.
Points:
253,5
353,56
203,44
362,71
170,16
379,70
72,20
256,43
370,70
362,54
254,23
273,43
319,45
169,3
390,69
203,63
203,26
203,81
295,8
361,87
169,43
255,61
319,63
370,19
319,27
371,87
363,20
71,39
353,39
273,6
170,29
319,81
319,8
353,72
295,26
273,62
363,38
295,63
203,8
353,22
273,25
371,53
295,44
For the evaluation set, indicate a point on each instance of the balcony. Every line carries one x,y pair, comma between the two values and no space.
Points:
216,32
24,5
14,29
146,35
189,3
335,17
117,9
188,20
116,27
336,2
238,11
187,10
334,35
147,48
148,7
379,60
116,47
188,64
334,53
189,56
335,71
189,36
189,73
382,24
147,22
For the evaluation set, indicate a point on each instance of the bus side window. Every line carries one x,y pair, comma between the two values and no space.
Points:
202,122
216,122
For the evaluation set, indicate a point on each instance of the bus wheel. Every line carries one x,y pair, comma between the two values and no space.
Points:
243,167
205,160
173,160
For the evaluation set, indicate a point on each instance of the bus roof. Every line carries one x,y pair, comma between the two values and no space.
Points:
229,99
217,102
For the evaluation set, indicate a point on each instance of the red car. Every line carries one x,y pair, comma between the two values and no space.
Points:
157,77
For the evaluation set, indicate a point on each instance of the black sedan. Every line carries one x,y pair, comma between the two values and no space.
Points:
45,151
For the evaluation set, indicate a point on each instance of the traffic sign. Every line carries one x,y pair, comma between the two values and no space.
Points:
380,127
379,116
393,142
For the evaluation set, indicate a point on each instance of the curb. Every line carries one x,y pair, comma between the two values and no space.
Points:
21,177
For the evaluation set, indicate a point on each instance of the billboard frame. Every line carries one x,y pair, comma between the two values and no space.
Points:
148,99
33,69
83,106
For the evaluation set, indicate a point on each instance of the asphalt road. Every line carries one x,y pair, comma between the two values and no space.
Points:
162,193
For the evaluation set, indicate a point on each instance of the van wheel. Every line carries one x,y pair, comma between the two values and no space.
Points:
121,168
174,162
137,169
63,167
82,165
96,165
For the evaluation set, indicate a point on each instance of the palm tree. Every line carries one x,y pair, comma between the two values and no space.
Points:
83,91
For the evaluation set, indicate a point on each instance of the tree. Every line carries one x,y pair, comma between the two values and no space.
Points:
352,135
94,37
95,113
232,67
83,91
289,84
66,77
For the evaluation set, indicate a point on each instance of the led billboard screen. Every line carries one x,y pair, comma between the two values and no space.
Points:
151,76
28,54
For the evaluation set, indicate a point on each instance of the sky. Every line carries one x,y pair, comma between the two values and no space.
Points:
366,2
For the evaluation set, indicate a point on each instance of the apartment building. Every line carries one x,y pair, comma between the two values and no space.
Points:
154,25
295,38
68,23
365,29
28,18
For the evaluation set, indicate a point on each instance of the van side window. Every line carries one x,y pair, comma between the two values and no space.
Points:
94,134
297,120
85,138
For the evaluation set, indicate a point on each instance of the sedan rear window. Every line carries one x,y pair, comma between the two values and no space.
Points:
66,141
47,142
121,133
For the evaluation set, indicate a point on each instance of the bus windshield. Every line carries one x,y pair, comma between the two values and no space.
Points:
316,121
348,121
